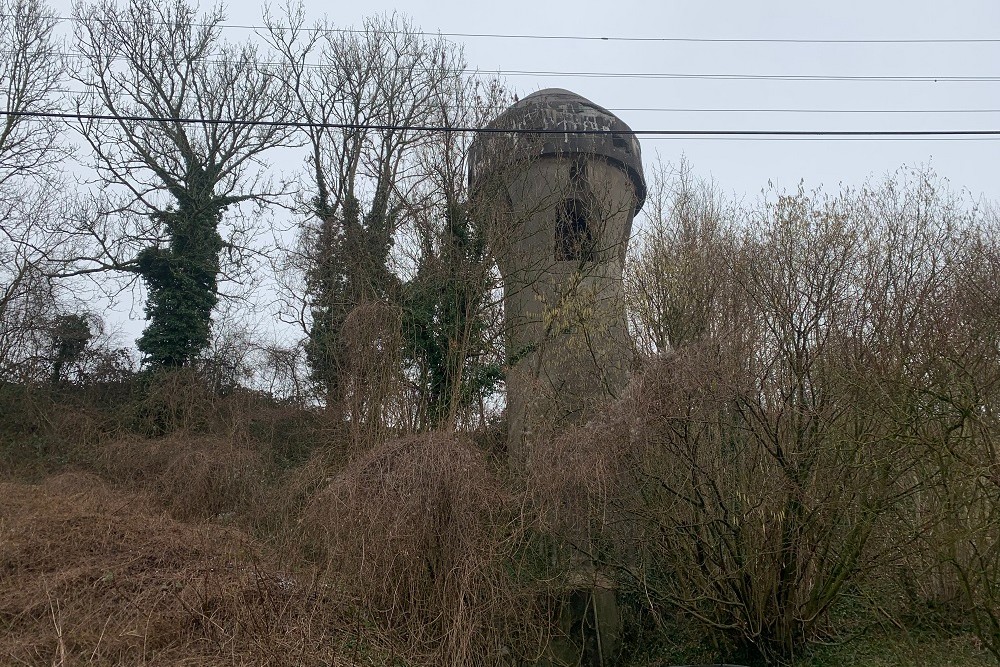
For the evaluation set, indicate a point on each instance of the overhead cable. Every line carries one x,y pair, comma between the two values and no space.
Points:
710,76
601,38
912,134
742,110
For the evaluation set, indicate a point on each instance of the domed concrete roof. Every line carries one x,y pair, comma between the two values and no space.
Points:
569,124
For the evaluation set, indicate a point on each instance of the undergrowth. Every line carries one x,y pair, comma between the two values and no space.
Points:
143,526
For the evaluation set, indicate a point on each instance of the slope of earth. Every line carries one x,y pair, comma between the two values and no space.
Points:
91,575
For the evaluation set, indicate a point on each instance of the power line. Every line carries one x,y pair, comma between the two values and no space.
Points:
929,78
908,134
821,138
94,93
826,111
706,40
600,38
740,77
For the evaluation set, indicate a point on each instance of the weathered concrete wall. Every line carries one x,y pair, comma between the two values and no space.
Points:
565,319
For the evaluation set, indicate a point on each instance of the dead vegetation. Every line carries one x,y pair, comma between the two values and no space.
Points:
91,575
187,549
422,534
807,446
194,476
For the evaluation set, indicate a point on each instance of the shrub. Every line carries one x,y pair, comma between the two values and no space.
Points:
420,531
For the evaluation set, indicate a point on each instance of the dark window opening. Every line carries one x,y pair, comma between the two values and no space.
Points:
618,141
574,233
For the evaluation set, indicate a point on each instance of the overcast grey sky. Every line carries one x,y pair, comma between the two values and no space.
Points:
745,166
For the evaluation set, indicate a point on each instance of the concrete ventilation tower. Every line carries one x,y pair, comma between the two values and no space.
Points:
561,193
562,203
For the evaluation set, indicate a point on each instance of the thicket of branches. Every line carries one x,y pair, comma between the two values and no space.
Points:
820,412
813,414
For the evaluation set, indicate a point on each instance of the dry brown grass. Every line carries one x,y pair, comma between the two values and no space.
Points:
413,547
193,476
420,533
89,575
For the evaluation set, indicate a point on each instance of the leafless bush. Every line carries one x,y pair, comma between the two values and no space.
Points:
956,387
417,531
189,401
372,379
195,477
175,401
802,436
29,301
26,304
673,281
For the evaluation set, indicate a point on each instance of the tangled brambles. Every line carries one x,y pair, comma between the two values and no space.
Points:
420,531
194,476
95,576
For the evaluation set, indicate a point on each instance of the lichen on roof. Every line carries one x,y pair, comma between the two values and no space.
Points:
568,124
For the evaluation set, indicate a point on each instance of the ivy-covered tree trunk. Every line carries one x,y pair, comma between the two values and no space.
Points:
182,281
327,283
444,319
70,336
377,84
168,62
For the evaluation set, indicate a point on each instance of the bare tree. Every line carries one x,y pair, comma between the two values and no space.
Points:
30,150
27,299
365,95
191,117
823,426
30,71
453,316
672,282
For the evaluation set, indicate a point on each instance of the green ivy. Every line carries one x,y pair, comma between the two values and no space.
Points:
182,282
